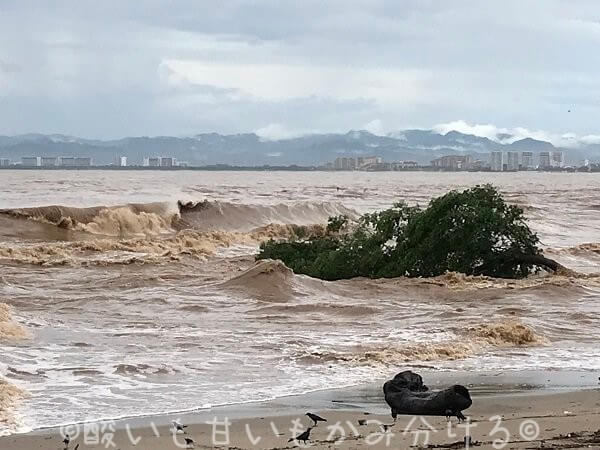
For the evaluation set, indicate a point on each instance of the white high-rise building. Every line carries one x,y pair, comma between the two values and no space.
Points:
121,161
527,160
344,163
558,159
497,161
512,161
167,161
159,161
544,160
49,161
31,161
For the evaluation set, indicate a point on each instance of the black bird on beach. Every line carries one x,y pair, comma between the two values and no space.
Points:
362,422
459,415
66,440
305,436
315,418
189,442
179,427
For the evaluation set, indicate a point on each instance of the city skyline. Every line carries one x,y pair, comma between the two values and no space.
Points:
515,161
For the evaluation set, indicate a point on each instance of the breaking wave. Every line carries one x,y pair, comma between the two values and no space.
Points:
209,215
460,282
10,396
131,219
9,329
586,249
147,250
268,280
151,219
474,340
506,334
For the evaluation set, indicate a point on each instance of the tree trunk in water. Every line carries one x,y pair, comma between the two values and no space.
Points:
541,261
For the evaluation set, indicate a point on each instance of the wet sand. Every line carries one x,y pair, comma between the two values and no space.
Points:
528,412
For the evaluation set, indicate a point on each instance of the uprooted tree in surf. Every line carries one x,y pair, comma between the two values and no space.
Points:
473,232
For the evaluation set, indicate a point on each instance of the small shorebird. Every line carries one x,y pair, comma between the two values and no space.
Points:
362,422
66,440
189,443
385,427
179,427
302,437
315,418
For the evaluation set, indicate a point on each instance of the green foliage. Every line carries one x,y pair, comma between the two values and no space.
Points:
336,223
474,232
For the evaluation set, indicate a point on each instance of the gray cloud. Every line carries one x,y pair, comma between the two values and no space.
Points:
113,68
8,68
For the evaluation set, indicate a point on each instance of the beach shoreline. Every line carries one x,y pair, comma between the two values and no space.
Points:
561,404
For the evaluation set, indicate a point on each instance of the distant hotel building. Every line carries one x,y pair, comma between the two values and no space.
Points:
558,159
367,163
4,162
512,161
75,161
66,161
527,160
453,162
544,160
364,161
398,165
168,162
151,162
48,161
159,161
121,161
31,161
53,161
344,163
496,161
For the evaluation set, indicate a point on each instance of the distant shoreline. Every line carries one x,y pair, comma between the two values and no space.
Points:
216,168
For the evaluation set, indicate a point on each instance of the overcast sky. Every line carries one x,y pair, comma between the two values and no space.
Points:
113,68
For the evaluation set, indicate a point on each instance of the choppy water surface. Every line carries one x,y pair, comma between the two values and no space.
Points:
116,301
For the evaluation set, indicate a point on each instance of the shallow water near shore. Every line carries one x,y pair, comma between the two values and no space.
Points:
120,301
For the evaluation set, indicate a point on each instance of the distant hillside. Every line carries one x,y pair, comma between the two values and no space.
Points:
249,149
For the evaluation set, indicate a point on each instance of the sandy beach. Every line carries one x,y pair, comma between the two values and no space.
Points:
521,415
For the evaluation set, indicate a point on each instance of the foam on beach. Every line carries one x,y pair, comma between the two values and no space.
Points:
9,329
10,397
475,340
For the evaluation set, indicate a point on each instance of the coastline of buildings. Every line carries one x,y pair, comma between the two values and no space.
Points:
48,162
367,163
498,161
503,162
159,161
54,161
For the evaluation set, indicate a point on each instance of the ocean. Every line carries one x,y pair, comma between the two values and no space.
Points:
125,293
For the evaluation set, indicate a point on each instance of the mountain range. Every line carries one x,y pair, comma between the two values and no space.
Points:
249,149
